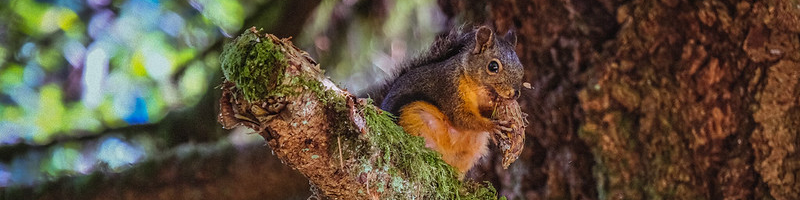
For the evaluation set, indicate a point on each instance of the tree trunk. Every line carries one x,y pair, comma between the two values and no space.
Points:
654,99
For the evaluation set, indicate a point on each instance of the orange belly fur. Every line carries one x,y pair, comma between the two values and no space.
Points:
459,148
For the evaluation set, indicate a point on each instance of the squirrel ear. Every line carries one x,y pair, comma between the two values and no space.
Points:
511,37
483,39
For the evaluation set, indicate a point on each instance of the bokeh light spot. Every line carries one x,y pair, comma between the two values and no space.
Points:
32,13
9,133
172,24
11,76
94,72
74,52
193,83
228,15
5,176
49,59
51,112
21,173
49,22
66,19
63,159
100,23
33,75
139,114
118,154
137,64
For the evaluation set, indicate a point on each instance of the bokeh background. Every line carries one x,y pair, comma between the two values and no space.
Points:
121,94
670,99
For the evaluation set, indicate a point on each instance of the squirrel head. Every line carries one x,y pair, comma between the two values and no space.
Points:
494,63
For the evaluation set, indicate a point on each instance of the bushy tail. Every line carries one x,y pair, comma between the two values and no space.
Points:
445,45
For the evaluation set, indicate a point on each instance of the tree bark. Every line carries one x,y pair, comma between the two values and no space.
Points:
654,99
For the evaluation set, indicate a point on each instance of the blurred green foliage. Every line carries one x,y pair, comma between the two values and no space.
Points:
72,70
77,67
359,43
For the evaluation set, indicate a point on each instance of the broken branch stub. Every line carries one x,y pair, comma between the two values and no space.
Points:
347,148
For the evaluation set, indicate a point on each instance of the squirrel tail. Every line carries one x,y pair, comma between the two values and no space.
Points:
446,45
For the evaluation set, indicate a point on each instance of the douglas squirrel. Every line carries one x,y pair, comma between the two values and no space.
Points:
449,94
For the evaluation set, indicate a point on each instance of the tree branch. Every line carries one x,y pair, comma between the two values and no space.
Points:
347,148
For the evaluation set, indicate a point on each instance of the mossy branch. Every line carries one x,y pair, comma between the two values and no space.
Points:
346,147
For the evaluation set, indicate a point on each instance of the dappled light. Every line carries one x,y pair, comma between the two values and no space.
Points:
71,70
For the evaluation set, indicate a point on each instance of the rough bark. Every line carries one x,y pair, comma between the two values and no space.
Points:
558,42
655,99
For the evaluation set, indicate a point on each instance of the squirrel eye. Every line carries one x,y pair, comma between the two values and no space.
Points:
493,67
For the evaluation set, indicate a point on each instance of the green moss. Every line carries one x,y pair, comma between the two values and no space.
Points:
423,167
255,64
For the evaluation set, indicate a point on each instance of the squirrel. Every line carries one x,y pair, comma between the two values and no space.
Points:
447,95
